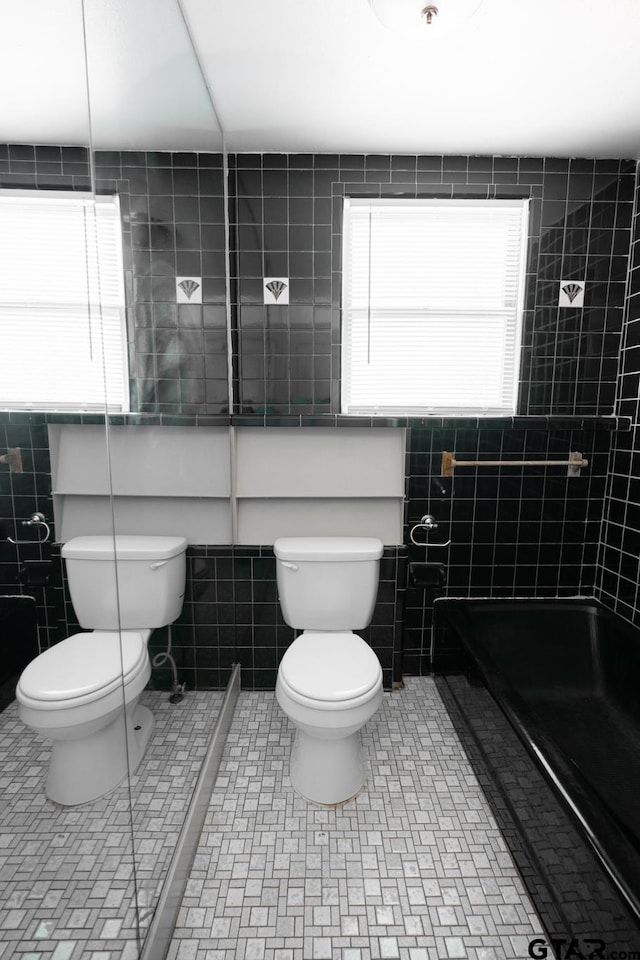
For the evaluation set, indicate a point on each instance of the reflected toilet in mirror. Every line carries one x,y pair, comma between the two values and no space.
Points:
330,681
83,693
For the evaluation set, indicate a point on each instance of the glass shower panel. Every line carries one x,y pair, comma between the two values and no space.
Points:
157,148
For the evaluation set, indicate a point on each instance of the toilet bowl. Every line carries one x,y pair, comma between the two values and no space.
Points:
82,693
329,685
329,680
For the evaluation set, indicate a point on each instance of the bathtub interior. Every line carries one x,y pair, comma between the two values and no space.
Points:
574,668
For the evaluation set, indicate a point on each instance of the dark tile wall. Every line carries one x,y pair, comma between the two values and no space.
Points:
619,564
286,212
24,166
526,532
514,531
172,207
28,568
286,215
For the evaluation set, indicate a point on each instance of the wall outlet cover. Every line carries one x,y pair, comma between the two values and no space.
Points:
276,290
189,289
571,293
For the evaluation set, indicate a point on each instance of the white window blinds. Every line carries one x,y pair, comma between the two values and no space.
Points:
432,306
62,334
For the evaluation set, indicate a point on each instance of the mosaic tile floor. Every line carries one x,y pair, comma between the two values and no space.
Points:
414,867
66,875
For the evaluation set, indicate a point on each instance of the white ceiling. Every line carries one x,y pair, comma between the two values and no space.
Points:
559,77
554,77
146,88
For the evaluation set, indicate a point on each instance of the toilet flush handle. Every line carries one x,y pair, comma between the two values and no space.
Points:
155,566
289,566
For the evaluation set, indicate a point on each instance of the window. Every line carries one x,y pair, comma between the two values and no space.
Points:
62,335
432,306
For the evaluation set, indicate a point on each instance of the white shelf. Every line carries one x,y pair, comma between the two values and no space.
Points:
199,520
145,461
262,522
319,462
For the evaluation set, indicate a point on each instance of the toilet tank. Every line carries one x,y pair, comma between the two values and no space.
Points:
147,592
327,583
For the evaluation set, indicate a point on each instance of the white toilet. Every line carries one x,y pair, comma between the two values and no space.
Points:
75,692
329,681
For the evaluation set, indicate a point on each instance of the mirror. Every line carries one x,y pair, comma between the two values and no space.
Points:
156,145
111,100
57,840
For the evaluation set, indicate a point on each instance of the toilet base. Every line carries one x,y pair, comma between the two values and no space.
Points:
89,767
327,772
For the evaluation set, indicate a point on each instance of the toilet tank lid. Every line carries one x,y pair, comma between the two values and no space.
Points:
127,547
328,548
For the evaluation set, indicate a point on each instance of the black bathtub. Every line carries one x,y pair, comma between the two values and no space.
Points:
552,718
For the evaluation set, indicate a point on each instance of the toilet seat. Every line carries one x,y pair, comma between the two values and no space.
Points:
337,669
83,668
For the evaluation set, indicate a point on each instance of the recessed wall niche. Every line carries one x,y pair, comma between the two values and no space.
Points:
224,485
168,481
319,482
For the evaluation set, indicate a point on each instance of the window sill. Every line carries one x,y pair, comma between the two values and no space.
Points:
548,422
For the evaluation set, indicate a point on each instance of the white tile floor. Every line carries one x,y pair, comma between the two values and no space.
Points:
414,867
67,875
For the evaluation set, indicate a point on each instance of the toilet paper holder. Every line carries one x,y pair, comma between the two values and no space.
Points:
35,520
427,523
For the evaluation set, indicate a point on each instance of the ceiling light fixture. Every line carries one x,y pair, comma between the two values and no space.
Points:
418,18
